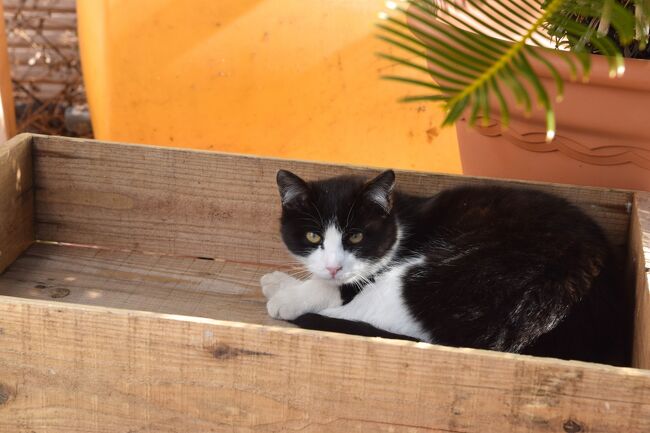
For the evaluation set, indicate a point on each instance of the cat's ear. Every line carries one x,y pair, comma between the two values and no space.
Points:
380,190
293,190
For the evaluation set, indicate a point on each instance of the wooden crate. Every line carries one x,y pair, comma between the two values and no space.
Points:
130,303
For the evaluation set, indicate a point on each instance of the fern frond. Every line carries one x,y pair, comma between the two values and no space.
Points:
476,50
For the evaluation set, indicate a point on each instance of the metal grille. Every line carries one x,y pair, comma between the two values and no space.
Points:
45,68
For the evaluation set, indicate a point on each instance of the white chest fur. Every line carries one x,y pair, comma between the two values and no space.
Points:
382,305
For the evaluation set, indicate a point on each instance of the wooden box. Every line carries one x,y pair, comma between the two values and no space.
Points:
131,303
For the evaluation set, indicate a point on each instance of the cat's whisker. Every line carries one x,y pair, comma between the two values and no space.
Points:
359,283
296,270
299,272
361,280
303,274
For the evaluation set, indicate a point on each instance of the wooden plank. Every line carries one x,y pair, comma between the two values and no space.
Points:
43,91
41,88
41,73
40,5
122,279
640,239
47,20
202,204
21,55
73,369
17,198
27,37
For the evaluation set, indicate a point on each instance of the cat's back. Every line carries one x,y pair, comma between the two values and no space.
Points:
502,266
494,236
500,215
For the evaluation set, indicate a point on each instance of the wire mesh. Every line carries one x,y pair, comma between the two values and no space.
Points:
45,67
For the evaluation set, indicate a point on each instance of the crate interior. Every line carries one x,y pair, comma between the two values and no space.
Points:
190,233
190,286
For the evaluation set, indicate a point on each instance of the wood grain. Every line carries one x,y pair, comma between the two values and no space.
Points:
74,369
104,342
21,55
59,38
194,203
43,74
640,240
43,18
123,279
39,5
16,198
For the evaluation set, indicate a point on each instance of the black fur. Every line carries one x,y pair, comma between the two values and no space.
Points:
344,200
507,269
321,323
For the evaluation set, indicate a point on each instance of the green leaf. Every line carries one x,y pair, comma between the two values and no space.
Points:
484,103
503,106
412,81
455,111
487,49
416,67
424,98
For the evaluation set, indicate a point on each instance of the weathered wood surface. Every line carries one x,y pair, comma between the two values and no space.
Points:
193,203
74,369
16,198
122,279
640,241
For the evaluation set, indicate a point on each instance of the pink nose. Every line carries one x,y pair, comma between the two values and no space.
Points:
333,270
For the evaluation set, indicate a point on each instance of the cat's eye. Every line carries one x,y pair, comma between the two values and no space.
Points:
312,237
355,238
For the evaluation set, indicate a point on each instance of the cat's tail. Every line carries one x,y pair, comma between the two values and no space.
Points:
323,323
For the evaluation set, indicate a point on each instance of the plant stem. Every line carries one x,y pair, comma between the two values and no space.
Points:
509,54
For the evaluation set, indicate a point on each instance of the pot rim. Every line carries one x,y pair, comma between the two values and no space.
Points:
635,77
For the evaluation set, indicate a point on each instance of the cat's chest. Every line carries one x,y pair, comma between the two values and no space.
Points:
382,303
387,280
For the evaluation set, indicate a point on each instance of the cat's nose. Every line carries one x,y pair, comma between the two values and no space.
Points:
333,270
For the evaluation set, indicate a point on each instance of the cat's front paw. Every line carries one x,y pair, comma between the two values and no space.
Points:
287,304
274,282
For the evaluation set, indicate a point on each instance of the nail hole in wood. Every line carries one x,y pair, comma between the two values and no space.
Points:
5,394
223,351
59,292
572,427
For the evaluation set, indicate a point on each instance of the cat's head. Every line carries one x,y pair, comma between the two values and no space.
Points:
342,229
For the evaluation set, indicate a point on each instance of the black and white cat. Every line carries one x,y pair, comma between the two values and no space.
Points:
491,267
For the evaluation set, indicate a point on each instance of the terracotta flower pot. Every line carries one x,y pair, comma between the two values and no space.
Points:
602,138
602,135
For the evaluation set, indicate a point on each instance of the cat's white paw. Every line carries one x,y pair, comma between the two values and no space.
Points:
287,304
273,282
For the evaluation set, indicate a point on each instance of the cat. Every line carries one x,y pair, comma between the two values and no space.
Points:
502,268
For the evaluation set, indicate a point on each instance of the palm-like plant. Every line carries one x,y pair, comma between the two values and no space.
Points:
478,50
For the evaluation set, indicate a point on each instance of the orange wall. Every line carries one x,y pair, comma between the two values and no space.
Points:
287,78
